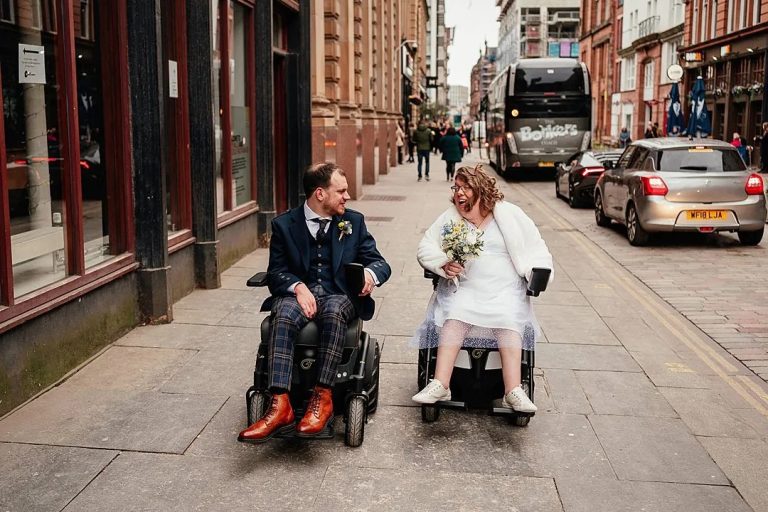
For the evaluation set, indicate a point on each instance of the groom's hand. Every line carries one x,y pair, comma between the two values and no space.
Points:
368,286
306,300
452,269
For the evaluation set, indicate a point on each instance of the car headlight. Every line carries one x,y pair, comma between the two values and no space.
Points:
511,142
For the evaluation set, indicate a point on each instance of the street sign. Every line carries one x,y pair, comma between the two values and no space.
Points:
31,64
675,72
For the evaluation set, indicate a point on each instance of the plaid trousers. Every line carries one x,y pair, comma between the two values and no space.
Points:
333,315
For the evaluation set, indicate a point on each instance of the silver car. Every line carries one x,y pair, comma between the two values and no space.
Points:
676,184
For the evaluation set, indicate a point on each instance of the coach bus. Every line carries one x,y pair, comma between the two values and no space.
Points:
538,113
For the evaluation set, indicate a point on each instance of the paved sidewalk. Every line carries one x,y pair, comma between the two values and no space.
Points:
639,409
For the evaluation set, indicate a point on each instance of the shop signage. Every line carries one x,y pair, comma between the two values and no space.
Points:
675,72
31,64
693,57
173,79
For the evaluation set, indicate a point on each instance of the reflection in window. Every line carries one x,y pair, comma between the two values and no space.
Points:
93,166
217,112
34,164
241,141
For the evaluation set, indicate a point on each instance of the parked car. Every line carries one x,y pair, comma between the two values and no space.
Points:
676,184
576,177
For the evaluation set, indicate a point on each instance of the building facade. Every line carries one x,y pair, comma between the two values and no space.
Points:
726,43
483,73
537,28
357,78
439,38
144,148
649,35
598,49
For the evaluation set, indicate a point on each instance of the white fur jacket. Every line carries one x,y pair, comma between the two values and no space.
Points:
521,236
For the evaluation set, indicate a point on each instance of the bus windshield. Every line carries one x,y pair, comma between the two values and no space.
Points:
549,80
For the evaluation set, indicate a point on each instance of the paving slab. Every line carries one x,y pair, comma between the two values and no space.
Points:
216,370
551,445
385,489
584,357
398,384
46,477
380,448
706,413
187,336
590,495
567,393
655,449
667,369
396,349
144,421
623,393
395,316
745,462
141,482
574,324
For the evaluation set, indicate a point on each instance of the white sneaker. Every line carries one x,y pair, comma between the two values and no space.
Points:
518,401
432,392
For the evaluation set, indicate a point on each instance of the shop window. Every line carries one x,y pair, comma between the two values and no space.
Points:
235,96
178,184
66,152
6,11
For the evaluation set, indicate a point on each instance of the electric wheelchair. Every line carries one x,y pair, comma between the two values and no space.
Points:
356,389
476,381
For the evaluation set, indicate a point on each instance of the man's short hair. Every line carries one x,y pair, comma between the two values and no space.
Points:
319,176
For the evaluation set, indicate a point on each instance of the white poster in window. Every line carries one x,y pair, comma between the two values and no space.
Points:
173,79
31,64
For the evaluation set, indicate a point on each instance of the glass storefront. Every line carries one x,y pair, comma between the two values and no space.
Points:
32,122
240,113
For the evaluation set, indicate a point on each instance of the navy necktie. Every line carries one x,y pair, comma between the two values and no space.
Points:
320,237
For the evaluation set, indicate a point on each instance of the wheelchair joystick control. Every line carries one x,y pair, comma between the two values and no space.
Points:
539,281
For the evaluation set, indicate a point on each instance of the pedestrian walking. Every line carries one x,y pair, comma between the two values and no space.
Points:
411,144
422,138
482,302
761,140
738,142
399,142
624,138
452,148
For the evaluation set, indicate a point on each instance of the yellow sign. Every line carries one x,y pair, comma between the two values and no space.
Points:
706,214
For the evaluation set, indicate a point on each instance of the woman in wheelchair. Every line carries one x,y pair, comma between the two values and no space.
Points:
482,303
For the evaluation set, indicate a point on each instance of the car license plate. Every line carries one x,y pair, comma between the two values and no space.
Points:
706,214
546,164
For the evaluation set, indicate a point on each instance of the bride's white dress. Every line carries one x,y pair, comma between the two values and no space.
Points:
489,307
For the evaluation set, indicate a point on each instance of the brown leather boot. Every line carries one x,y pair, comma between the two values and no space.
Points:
319,413
278,418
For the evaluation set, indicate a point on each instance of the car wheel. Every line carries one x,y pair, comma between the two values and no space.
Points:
636,235
601,219
750,237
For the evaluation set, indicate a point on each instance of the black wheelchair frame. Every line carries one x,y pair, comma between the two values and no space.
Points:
356,388
474,387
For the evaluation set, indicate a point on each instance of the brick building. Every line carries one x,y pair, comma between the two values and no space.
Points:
483,73
726,43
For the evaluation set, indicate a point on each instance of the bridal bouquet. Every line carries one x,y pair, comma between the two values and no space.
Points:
460,243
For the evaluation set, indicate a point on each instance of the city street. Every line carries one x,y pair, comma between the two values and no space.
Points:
651,388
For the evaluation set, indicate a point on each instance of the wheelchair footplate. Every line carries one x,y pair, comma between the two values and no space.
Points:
327,433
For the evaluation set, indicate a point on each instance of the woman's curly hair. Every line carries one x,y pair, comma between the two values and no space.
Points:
482,184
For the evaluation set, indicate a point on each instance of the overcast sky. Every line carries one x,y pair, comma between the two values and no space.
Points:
475,22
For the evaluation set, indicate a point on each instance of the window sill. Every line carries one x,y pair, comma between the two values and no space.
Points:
179,240
246,210
49,298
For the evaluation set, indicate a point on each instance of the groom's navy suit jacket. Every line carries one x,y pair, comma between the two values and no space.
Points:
289,255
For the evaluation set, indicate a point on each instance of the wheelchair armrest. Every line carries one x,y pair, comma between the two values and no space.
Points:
355,276
259,279
428,274
538,282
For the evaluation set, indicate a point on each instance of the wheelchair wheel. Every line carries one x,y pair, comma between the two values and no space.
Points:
257,406
430,413
355,428
373,400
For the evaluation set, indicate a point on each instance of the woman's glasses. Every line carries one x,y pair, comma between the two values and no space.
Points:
456,188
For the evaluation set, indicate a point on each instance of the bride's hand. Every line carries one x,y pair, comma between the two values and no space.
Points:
452,269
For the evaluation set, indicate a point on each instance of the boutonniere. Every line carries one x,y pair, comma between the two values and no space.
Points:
345,228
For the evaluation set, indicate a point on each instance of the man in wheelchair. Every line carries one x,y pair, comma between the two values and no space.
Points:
309,247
